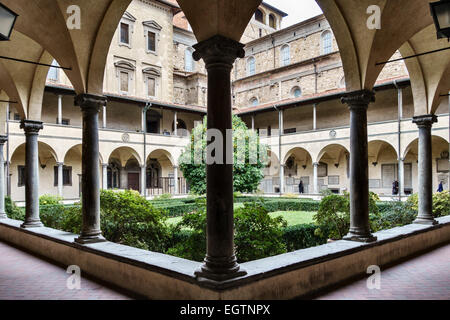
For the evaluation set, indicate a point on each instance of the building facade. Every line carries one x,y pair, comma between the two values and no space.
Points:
288,87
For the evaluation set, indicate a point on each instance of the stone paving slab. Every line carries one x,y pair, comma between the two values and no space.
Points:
426,277
26,277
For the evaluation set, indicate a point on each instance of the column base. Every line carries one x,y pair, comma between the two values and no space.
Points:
360,237
3,216
219,270
32,224
90,239
425,221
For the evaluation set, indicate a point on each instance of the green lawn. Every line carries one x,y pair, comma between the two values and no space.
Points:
292,217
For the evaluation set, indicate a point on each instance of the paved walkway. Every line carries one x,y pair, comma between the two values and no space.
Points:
426,277
26,277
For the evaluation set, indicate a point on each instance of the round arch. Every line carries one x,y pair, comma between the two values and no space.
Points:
124,154
161,154
376,147
335,150
435,140
77,149
46,152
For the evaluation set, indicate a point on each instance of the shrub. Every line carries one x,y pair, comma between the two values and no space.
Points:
397,214
48,200
302,236
193,246
12,211
291,196
257,234
72,219
333,216
165,196
127,218
441,204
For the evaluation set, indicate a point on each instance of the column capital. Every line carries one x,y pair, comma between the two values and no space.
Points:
358,99
60,164
219,49
90,102
105,165
31,126
3,140
425,121
315,164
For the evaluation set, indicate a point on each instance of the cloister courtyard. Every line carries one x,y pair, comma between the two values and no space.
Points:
121,179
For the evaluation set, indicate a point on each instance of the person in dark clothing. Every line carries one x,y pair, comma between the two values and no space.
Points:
395,188
301,189
441,187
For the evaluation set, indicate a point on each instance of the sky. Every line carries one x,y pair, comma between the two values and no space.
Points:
298,10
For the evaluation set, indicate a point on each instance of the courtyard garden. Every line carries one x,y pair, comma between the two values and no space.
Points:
263,226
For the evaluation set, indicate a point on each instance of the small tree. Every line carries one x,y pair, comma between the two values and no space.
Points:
250,157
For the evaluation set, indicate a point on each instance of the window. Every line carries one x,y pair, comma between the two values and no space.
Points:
291,130
53,73
188,60
16,117
260,33
67,176
272,21
285,55
151,87
254,102
327,43
151,40
20,176
124,85
296,92
126,27
251,66
259,16
152,77
124,33
125,75
322,170
152,32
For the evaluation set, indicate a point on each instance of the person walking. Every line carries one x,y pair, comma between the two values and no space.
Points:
441,187
395,187
301,188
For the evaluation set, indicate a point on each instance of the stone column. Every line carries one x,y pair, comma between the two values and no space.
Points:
253,122
358,103
425,123
282,179
3,140
90,181
315,116
175,177
105,176
143,181
60,178
220,263
316,178
104,117
123,178
175,123
401,177
60,109
31,128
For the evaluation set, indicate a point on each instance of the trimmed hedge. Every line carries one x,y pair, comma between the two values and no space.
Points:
302,236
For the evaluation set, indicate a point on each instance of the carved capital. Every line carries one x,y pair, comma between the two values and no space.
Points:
90,102
218,49
425,121
358,99
3,140
31,126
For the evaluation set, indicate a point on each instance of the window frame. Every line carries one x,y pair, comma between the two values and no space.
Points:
123,66
21,176
56,70
251,61
283,53
155,74
152,26
189,51
55,176
129,20
326,43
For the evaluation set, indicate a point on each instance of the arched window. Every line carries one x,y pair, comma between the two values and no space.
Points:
327,42
188,60
251,66
296,92
53,73
285,55
254,102
259,16
272,21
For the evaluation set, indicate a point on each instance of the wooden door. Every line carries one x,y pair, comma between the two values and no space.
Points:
133,181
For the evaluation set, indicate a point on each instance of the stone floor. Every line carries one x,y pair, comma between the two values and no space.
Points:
26,277
426,277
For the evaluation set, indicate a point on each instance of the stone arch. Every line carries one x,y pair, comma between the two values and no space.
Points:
77,148
304,155
161,153
124,154
46,152
376,148
336,149
413,145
